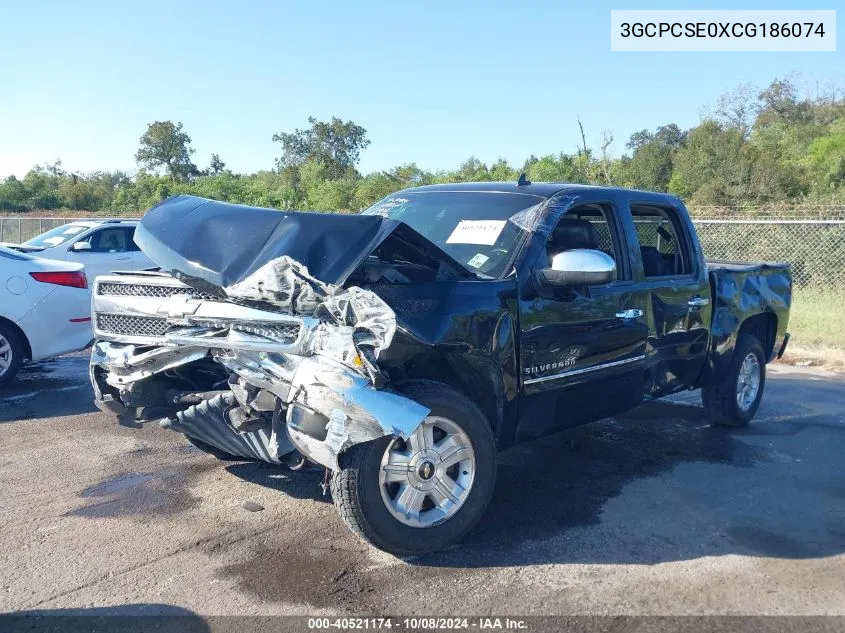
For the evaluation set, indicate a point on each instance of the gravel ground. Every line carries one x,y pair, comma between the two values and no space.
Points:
651,513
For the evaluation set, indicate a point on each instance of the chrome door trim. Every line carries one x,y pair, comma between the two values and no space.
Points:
576,372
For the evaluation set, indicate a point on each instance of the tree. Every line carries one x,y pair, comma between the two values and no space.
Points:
638,139
472,170
560,168
337,145
737,108
501,171
712,167
826,159
216,166
650,165
410,175
670,136
166,145
779,103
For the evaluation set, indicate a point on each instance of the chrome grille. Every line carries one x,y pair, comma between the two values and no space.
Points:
131,325
151,290
282,333
285,333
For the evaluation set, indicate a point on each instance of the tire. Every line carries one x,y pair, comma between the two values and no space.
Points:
363,499
721,399
14,350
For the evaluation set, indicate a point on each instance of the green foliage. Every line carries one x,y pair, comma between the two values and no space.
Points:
337,145
165,145
770,147
826,159
710,168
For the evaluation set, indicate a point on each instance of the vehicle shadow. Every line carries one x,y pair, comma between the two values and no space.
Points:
303,484
48,388
162,618
661,484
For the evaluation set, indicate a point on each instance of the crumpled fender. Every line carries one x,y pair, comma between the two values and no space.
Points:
356,411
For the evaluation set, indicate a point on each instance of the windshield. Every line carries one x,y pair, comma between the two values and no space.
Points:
56,236
471,226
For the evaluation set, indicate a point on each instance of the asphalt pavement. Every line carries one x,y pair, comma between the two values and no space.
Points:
654,512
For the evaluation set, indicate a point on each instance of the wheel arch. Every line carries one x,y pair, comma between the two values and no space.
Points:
17,329
764,326
725,333
474,377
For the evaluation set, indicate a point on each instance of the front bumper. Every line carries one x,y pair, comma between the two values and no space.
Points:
327,406
308,374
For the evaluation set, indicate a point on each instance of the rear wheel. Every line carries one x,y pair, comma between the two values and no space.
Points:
11,353
423,493
735,397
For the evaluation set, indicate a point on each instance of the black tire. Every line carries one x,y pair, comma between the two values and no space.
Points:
357,495
720,397
14,355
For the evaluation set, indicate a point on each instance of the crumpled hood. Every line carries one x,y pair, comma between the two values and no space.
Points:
223,244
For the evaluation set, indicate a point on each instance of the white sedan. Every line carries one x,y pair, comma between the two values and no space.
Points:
45,309
102,246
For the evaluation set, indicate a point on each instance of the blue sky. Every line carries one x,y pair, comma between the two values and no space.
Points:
432,82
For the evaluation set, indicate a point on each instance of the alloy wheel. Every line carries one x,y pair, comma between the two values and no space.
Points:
425,479
748,382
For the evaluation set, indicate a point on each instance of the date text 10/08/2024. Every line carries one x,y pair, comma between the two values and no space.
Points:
418,623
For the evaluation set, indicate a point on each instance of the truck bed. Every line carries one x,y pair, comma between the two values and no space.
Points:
743,267
742,290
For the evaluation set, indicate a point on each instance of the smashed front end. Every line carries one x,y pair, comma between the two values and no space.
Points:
240,346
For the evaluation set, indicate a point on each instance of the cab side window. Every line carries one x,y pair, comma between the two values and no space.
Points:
663,246
589,227
112,240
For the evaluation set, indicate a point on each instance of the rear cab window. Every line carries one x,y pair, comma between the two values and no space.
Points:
664,243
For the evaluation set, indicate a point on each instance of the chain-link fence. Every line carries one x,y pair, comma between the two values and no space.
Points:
814,247
21,229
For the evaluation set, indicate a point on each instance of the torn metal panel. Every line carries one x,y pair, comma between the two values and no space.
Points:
126,367
341,407
207,423
741,291
284,284
325,370
351,325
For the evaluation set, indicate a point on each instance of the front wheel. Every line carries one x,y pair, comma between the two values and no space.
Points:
734,398
425,493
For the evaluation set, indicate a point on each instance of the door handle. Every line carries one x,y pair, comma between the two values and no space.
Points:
630,313
122,259
698,302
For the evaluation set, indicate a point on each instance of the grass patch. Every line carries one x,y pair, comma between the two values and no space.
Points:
817,327
817,318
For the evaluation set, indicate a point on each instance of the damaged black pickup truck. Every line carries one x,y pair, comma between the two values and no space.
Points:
400,348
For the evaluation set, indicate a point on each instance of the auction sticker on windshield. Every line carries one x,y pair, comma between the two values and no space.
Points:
476,232
478,260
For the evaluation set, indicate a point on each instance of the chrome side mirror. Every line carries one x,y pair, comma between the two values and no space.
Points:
578,267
